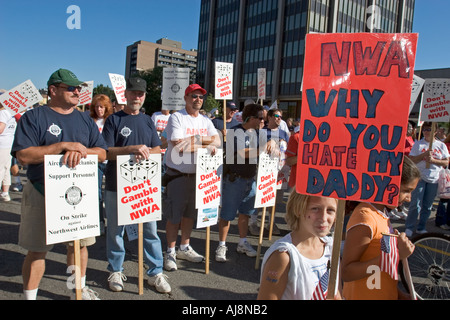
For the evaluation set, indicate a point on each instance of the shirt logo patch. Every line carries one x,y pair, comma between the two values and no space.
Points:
125,132
54,130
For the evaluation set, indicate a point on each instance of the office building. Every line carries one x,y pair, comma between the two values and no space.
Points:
270,34
143,55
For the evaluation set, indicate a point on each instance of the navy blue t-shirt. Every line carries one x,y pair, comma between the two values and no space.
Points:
42,126
121,130
242,139
218,123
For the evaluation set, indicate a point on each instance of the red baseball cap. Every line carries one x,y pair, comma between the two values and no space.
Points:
194,87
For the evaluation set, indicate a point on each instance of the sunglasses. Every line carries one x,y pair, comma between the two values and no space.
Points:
259,118
71,88
277,116
195,96
426,129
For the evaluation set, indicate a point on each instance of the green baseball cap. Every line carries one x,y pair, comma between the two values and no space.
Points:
64,76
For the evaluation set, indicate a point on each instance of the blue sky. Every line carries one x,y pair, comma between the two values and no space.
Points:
35,40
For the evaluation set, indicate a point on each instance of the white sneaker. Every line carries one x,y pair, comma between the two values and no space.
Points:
170,261
115,281
394,214
190,255
89,294
444,226
160,283
5,197
221,254
247,249
421,231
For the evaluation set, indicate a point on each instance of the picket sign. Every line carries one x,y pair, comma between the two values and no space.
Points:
266,189
338,120
138,198
209,169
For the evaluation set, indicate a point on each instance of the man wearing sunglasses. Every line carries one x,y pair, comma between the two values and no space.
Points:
187,130
57,128
239,182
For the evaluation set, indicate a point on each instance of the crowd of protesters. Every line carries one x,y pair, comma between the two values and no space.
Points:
293,268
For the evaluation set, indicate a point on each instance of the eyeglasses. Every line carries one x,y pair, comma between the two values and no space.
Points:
277,116
426,129
195,96
260,118
71,88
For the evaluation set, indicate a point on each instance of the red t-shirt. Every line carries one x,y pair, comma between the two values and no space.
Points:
291,151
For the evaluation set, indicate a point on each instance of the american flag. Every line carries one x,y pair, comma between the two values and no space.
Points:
389,256
322,287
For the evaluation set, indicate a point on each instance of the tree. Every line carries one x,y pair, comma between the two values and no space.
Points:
101,89
211,104
154,78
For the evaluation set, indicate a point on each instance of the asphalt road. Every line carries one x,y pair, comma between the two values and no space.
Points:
237,279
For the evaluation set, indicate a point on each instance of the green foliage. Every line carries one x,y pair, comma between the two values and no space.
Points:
101,89
212,103
154,80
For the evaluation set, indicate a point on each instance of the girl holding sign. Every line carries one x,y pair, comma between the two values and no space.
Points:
297,266
369,264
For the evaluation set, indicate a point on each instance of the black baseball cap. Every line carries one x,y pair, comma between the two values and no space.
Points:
136,84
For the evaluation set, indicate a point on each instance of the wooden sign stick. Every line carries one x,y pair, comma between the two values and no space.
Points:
224,115
77,258
261,233
430,147
141,257
335,256
272,217
208,239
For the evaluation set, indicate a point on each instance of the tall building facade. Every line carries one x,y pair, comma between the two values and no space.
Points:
270,34
144,55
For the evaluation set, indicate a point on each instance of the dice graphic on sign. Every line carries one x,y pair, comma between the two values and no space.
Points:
209,163
147,169
128,171
133,171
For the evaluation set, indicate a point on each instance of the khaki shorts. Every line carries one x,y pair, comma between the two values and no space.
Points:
179,200
32,222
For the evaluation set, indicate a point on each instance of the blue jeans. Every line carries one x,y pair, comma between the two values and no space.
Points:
422,199
443,213
101,172
115,246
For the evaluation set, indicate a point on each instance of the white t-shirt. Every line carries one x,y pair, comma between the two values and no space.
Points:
304,274
440,151
160,120
100,123
182,125
7,137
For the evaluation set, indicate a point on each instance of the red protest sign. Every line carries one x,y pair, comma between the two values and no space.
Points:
356,96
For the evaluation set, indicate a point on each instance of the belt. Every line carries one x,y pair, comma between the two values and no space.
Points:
179,173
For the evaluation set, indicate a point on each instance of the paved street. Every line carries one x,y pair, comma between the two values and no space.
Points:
236,279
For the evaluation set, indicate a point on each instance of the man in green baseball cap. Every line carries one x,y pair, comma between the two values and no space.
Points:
57,128
64,90
64,76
